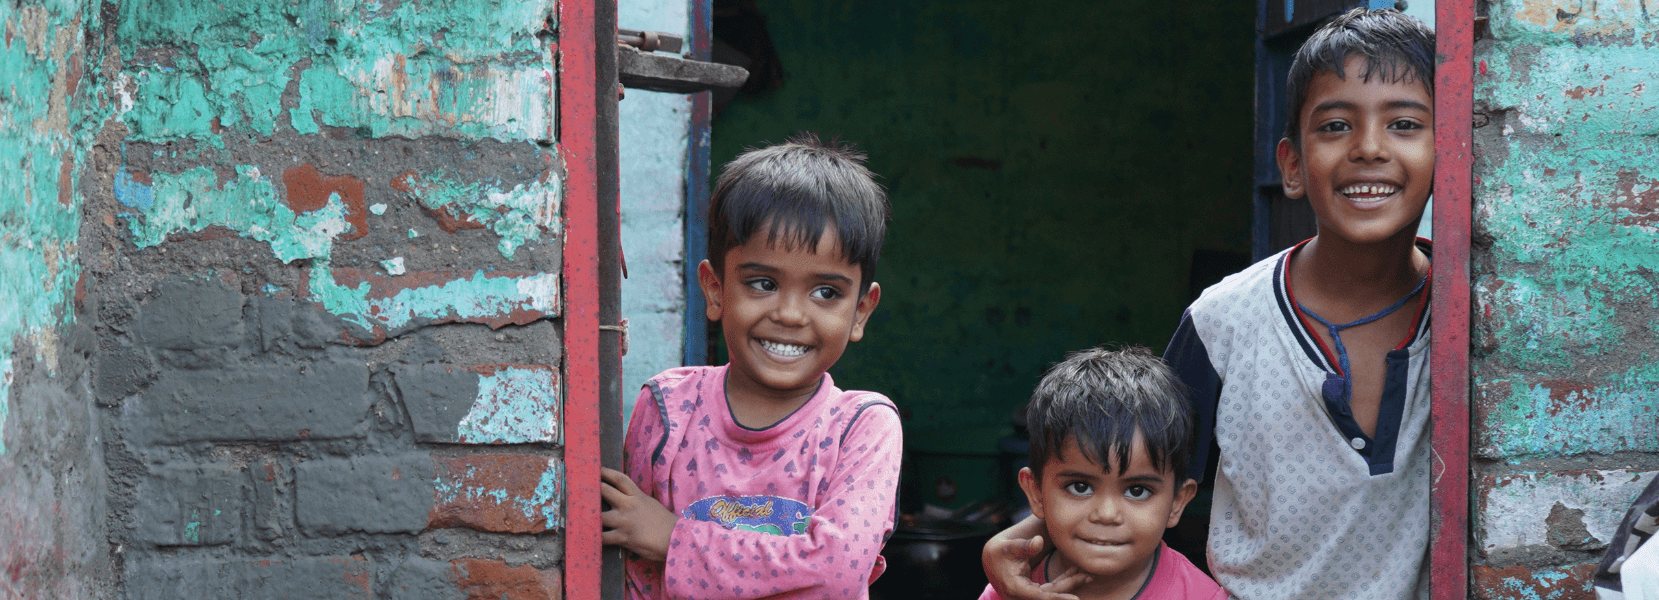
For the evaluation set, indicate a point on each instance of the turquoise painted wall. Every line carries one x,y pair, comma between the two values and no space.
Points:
1052,168
1566,356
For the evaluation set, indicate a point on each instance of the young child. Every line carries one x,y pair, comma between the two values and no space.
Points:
1309,370
1110,436
760,478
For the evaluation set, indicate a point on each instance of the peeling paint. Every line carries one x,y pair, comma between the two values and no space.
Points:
412,97
515,405
518,215
415,69
46,127
499,492
379,304
248,204
1514,508
1518,416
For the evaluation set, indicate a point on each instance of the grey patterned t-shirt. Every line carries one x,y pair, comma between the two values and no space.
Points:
1306,505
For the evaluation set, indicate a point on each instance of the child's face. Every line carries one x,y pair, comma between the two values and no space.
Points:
1367,158
787,314
1108,524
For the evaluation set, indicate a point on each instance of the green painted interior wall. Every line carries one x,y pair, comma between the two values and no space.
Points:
1052,168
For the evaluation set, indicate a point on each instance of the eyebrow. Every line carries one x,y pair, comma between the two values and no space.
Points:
1391,105
765,268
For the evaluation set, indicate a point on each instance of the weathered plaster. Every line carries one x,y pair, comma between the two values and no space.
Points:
518,215
1514,510
515,405
1565,357
653,142
41,148
409,69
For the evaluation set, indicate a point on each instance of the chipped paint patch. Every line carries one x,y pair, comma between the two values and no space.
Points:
1547,325
515,405
46,126
518,215
1554,21
382,304
1514,509
426,95
248,204
1520,417
1529,583
505,493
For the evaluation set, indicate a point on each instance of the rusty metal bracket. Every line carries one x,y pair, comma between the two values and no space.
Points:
650,41
643,70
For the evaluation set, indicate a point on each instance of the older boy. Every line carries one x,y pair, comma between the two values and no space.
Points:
1309,370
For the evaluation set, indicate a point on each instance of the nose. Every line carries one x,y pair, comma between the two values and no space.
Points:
1370,144
1107,510
789,310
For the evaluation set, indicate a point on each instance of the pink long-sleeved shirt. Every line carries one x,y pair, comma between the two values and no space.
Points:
796,510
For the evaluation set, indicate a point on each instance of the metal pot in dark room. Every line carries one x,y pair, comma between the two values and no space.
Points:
934,559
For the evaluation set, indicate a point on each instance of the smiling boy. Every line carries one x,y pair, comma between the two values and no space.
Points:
1309,370
1110,435
760,478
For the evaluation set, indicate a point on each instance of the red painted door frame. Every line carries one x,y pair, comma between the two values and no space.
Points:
1449,355
587,139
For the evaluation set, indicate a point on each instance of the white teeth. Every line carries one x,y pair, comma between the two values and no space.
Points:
1356,190
783,349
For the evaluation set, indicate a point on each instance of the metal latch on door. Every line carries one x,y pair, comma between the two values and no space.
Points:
640,66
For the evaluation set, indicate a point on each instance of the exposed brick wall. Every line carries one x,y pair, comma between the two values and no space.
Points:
1566,387
303,315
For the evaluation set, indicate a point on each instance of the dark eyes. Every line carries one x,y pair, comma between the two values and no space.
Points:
825,293
1138,492
1344,126
1079,488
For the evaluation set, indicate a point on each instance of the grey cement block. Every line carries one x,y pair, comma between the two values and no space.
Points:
121,372
437,396
259,402
192,315
189,505
373,494
422,579
301,324
325,578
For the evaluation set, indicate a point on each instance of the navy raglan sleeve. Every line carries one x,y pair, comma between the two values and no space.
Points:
1189,359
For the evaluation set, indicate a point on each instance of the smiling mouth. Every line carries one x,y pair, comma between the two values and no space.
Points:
784,350
1102,543
1369,192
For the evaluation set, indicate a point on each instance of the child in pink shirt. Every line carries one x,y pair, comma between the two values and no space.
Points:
1110,435
760,478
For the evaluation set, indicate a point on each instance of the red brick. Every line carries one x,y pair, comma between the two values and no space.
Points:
1529,583
494,580
501,493
308,190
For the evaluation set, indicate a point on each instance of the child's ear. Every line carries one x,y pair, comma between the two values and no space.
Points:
1290,168
1183,495
866,305
711,284
1033,492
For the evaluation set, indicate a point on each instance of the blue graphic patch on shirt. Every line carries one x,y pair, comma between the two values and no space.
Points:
767,514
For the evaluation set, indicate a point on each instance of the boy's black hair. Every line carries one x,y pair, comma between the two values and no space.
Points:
796,190
1101,398
1396,47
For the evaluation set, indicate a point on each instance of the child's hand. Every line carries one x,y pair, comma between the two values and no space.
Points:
1007,562
635,521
